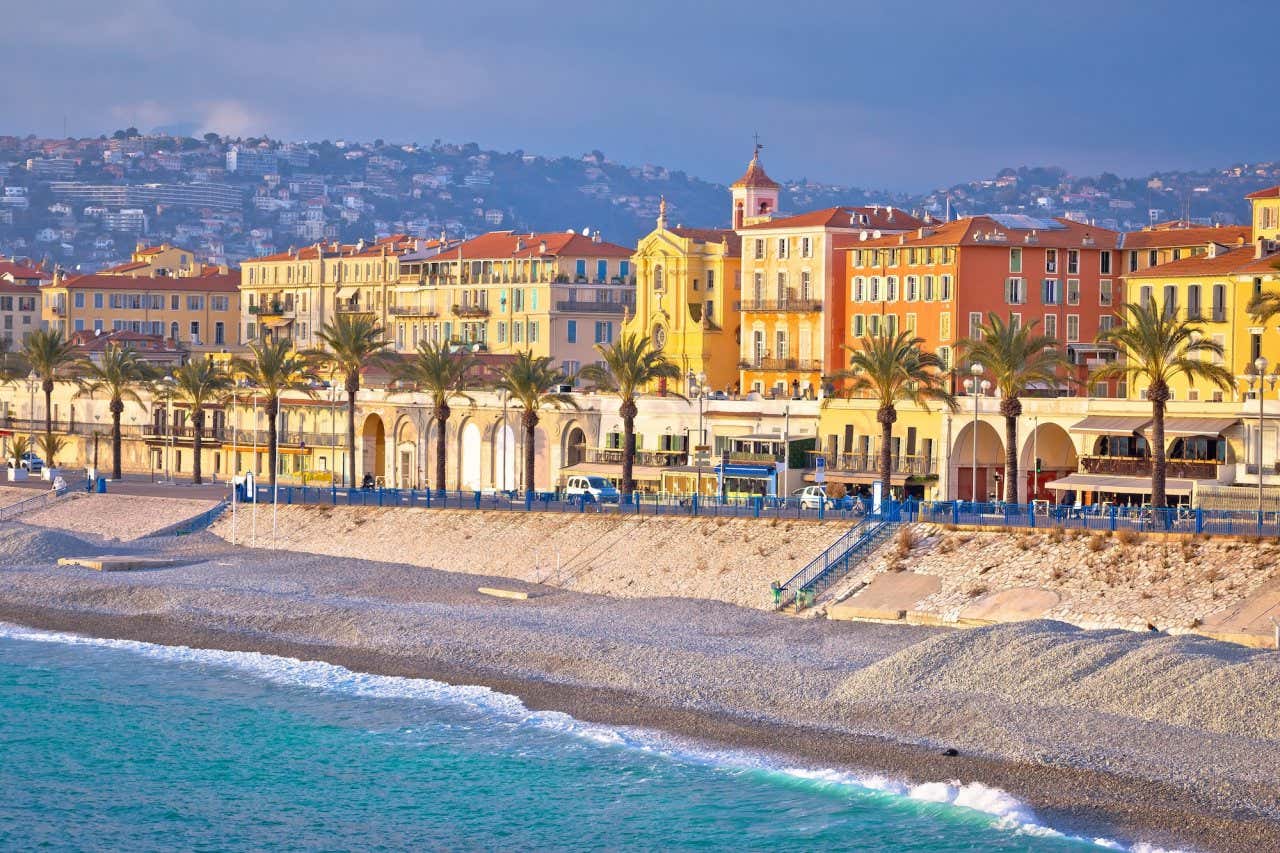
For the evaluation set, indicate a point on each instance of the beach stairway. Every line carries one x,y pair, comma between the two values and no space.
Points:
833,563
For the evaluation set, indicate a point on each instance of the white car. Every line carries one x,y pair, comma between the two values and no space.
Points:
811,497
595,489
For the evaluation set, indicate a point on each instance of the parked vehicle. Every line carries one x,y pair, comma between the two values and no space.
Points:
31,462
813,497
594,489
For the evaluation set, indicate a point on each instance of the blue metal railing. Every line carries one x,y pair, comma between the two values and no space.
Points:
195,523
555,501
1102,517
838,558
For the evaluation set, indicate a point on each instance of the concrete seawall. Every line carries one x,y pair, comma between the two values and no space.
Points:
724,559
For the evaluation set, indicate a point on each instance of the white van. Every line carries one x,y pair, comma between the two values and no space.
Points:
596,489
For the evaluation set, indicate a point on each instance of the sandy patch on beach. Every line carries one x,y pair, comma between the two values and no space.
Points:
1124,580
121,517
722,559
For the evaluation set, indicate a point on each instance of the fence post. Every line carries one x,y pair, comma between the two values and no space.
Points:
1031,515
1114,511
695,504
528,501
822,509
757,504
1199,520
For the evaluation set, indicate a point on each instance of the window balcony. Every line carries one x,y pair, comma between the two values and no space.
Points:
574,306
793,306
1138,466
413,311
653,458
869,463
470,311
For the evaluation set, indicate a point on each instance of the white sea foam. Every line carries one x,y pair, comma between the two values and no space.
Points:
1009,812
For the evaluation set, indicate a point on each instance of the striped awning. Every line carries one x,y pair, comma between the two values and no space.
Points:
1176,427
1119,485
1112,424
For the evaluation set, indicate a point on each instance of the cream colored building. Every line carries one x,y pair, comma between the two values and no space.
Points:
555,294
294,294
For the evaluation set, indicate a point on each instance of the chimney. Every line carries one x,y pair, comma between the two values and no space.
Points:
890,210
542,247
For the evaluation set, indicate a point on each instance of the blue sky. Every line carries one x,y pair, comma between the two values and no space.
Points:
882,95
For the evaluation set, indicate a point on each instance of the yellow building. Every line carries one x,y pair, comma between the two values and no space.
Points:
293,294
1214,286
199,312
555,294
163,260
1175,241
687,286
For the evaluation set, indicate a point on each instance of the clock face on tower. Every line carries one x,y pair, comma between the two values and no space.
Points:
659,337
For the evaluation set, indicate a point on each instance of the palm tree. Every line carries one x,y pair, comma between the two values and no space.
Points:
532,383
274,368
47,352
1158,347
1017,358
352,342
201,382
893,369
629,365
51,445
116,374
442,373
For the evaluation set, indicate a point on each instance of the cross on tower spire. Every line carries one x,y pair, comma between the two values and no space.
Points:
756,137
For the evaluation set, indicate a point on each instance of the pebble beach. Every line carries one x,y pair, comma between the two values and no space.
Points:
1165,740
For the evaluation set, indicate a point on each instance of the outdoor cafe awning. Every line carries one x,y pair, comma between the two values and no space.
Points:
835,475
602,469
1180,427
276,322
1118,485
1112,424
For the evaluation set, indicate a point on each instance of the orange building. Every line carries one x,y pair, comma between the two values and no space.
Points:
941,281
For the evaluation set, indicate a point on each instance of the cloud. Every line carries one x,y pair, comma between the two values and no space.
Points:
232,118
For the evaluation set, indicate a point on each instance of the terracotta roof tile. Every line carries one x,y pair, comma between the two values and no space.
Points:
755,176
508,244
1167,238
228,282
872,217
711,235
1241,260
979,231
18,269
1269,192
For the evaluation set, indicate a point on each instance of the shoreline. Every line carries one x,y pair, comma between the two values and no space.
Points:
1079,802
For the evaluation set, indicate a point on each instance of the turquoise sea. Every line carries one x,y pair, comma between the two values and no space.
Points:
128,746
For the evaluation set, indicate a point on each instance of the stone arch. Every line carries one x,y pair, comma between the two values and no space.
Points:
503,451
408,463
373,447
573,450
1052,444
470,466
990,462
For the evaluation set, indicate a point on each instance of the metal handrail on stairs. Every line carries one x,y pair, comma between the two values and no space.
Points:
833,563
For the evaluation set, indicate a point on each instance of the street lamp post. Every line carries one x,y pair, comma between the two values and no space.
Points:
333,429
698,387
977,388
1261,380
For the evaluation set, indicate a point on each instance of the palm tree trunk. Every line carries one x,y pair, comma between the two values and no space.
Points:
530,421
442,450
1159,465
353,388
628,411
117,408
273,407
1011,459
887,415
47,385
197,444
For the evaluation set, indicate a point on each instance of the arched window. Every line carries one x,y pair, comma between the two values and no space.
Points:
173,331
657,278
